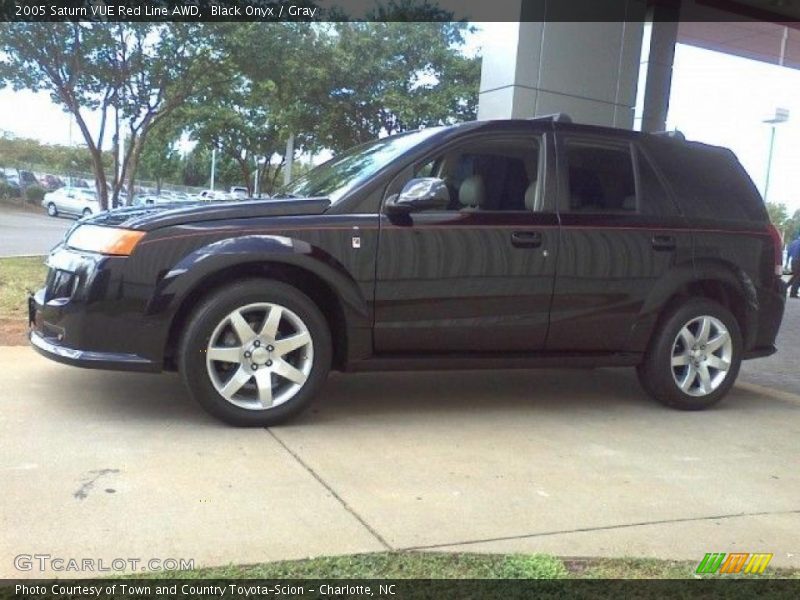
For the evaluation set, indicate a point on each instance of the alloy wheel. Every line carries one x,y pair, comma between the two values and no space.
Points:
702,354
259,356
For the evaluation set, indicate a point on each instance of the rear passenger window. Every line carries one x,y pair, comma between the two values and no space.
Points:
601,178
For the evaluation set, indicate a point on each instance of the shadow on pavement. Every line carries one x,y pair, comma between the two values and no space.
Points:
402,395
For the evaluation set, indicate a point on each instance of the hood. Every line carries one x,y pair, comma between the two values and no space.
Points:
147,218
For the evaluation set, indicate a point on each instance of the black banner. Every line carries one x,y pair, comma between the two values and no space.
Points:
253,589
396,10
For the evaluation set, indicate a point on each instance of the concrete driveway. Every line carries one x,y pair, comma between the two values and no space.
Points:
24,233
108,465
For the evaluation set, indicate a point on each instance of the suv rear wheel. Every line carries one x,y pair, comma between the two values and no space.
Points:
255,353
694,357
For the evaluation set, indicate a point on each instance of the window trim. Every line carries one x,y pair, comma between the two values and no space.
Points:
540,138
641,151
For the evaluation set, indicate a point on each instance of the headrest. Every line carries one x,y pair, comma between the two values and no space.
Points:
532,196
472,192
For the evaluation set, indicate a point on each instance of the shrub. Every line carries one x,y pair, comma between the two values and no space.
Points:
34,194
7,191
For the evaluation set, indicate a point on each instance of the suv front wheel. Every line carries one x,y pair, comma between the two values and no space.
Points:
255,353
694,357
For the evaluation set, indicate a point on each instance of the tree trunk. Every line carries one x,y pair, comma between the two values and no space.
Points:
133,162
100,184
245,169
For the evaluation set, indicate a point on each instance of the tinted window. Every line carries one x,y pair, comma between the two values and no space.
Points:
653,197
601,178
491,175
709,182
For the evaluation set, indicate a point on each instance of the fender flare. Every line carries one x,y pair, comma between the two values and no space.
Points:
682,276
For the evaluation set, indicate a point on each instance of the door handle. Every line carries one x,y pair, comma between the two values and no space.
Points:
526,239
664,242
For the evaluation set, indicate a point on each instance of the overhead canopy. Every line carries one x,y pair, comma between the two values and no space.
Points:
765,30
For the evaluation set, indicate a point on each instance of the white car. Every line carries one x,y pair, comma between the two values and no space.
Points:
78,202
211,195
238,192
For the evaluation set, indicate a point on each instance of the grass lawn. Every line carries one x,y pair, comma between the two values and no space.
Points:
17,276
429,565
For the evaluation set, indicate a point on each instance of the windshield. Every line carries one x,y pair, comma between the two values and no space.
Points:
334,178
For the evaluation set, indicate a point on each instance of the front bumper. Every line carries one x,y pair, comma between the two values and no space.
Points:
82,317
50,348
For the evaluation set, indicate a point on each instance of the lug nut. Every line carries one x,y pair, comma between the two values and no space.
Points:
270,348
255,366
247,354
256,343
269,363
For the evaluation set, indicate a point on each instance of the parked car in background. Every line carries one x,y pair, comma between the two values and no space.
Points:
238,192
27,179
211,195
77,182
11,179
50,182
163,199
77,202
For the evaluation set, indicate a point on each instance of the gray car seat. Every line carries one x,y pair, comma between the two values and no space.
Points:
472,193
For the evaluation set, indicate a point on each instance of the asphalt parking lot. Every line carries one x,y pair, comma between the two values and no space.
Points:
108,465
27,233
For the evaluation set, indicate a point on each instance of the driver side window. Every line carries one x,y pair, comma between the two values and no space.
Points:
492,175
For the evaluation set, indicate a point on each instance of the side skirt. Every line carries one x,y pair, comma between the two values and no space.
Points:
435,362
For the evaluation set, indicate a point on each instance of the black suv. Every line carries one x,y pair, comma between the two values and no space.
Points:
520,243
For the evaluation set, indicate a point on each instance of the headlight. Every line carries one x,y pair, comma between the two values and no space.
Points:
104,240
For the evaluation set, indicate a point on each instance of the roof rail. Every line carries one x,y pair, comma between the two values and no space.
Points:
673,135
555,118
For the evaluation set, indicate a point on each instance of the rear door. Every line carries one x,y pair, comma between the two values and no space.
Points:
621,232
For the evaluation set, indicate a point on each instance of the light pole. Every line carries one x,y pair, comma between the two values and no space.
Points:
781,116
213,166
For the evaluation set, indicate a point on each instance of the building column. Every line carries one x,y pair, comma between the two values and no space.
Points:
655,69
547,64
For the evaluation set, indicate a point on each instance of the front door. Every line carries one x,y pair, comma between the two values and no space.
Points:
477,276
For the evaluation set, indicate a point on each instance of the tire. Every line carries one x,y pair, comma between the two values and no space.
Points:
86,213
271,393
662,380
52,210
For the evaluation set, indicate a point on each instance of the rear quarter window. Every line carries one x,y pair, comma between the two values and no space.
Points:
709,182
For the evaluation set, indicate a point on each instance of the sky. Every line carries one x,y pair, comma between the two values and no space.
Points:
716,98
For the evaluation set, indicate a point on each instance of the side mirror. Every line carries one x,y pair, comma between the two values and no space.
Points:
425,193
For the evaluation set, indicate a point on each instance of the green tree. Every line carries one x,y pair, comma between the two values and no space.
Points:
143,71
791,227
777,214
339,84
61,160
239,123
160,159
385,78
196,169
